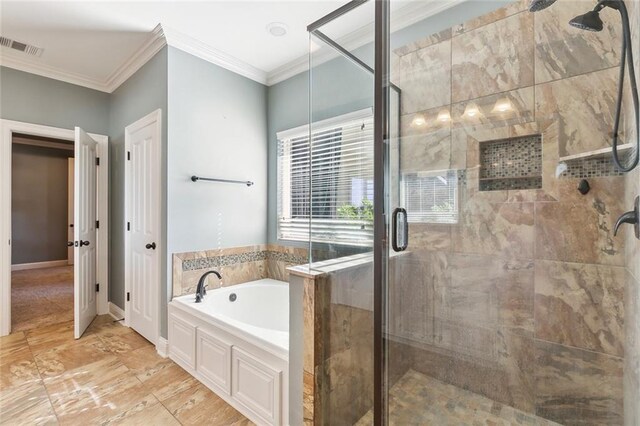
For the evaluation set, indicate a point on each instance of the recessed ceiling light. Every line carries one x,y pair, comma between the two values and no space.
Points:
277,29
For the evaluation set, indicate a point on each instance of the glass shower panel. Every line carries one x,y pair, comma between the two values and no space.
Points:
341,134
514,302
341,182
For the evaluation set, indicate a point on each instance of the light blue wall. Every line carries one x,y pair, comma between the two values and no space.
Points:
217,128
288,107
40,100
144,92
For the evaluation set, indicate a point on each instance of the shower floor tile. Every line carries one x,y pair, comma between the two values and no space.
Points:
417,399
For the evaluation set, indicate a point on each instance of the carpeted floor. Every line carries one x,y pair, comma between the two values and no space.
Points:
41,297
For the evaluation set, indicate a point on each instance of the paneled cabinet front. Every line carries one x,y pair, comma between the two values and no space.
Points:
213,360
246,376
182,340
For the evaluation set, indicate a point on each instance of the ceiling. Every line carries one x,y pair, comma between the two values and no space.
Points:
98,44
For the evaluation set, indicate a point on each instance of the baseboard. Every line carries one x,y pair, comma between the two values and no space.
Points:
162,347
116,312
39,265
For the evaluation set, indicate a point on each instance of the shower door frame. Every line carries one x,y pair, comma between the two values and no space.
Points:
381,132
381,135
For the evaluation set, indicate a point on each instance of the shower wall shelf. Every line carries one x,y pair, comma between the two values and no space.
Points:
244,182
511,164
595,153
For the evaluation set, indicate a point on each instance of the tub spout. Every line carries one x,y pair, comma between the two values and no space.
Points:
200,290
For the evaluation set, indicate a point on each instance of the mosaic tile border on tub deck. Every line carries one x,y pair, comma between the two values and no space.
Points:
234,259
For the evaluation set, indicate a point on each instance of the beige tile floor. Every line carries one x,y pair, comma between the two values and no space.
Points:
417,399
41,297
110,376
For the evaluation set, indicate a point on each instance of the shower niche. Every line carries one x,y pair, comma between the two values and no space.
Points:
512,163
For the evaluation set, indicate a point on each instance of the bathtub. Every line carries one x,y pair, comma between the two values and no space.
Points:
236,342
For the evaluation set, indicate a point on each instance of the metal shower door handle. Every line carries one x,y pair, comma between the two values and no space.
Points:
399,230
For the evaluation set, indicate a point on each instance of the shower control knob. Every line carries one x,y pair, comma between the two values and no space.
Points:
583,187
631,217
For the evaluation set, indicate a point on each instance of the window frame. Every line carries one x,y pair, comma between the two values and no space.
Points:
306,130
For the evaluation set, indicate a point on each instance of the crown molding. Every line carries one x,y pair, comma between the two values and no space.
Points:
215,56
159,37
162,36
406,16
153,45
10,60
288,70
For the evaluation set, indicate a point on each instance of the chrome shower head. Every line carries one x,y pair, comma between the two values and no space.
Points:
590,21
536,5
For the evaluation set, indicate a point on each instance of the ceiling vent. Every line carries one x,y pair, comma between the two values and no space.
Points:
21,47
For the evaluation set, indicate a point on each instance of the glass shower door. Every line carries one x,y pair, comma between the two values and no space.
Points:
513,303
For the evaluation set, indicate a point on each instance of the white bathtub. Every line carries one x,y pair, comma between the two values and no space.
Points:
239,349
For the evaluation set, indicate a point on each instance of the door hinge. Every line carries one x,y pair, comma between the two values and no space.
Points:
97,224
128,296
98,287
128,226
97,161
128,155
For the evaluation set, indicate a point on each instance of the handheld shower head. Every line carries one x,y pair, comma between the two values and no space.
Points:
536,5
590,21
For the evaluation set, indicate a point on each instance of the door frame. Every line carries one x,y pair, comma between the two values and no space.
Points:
7,129
153,117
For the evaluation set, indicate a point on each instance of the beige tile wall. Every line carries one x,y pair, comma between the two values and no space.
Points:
236,265
529,299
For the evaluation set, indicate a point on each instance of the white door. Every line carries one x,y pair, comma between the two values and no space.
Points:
70,209
84,226
142,246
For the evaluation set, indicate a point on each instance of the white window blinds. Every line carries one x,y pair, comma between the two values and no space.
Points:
336,168
431,197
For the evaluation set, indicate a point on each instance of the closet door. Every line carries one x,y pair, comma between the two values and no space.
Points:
85,203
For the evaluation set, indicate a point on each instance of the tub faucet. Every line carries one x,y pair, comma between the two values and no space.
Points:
200,290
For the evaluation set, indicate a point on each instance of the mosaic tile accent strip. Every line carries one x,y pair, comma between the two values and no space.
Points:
511,183
286,257
234,259
513,163
591,167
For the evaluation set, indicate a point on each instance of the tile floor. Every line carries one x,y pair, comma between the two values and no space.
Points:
41,297
417,399
110,376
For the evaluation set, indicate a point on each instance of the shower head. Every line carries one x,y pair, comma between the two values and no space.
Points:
536,5
590,21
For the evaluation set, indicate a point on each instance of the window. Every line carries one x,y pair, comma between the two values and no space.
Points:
431,197
338,174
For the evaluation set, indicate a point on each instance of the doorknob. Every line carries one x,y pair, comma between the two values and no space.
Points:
151,246
84,243
69,243
631,217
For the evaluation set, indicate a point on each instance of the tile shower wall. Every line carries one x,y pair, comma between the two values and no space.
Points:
528,299
237,265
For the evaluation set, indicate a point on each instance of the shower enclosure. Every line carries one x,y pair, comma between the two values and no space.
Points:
484,130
